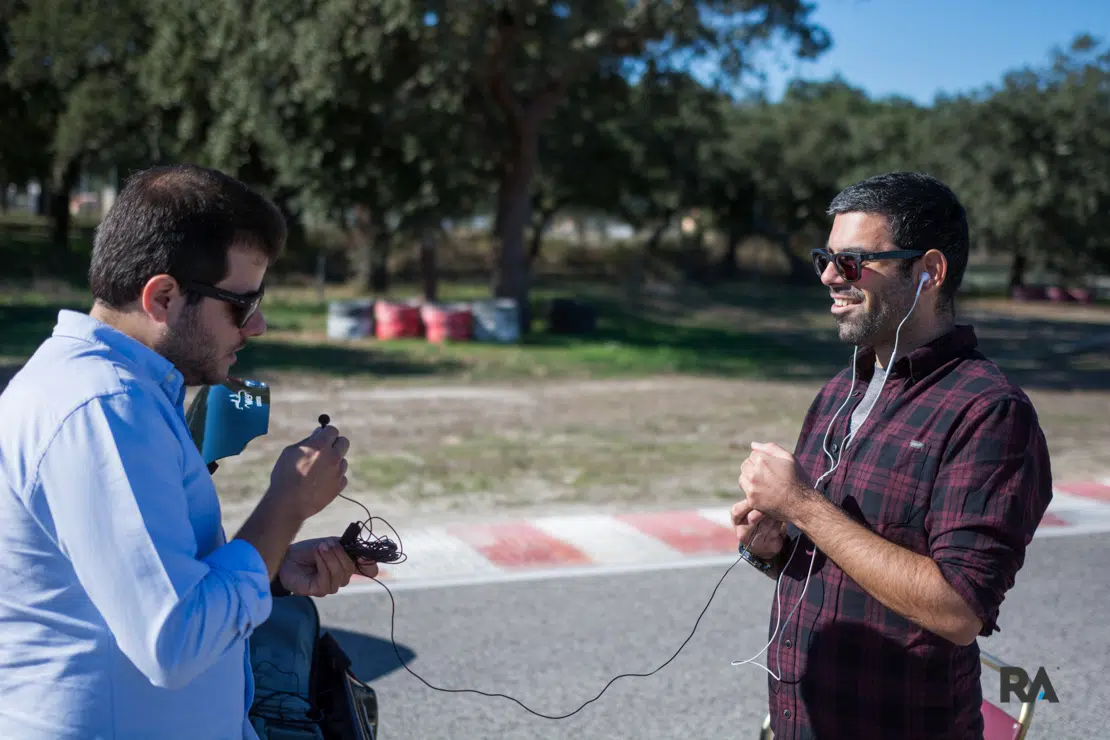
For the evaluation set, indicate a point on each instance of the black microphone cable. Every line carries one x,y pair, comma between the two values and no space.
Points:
385,550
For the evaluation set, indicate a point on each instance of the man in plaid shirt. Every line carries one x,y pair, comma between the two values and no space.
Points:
918,480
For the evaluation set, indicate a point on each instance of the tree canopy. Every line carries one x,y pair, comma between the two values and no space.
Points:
390,118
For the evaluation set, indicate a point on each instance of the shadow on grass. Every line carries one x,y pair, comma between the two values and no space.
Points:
24,327
702,350
328,359
1032,352
665,337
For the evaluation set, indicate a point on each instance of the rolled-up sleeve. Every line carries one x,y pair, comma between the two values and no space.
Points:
110,485
990,494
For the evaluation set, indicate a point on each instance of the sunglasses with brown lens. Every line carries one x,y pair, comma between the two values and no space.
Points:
849,265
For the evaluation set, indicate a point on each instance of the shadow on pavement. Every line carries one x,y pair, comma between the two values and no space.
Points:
371,657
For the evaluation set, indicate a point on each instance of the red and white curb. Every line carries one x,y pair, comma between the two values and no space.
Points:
605,543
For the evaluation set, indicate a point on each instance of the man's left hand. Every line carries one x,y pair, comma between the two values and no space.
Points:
772,481
319,567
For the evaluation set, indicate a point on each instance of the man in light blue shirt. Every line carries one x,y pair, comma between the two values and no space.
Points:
124,610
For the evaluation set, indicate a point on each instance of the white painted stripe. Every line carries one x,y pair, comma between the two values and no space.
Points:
605,540
434,553
546,574
442,561
1069,501
1060,502
718,515
1095,526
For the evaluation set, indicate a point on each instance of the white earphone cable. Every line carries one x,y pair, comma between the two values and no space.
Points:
836,463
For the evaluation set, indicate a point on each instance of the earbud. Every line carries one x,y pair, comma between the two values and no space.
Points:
924,278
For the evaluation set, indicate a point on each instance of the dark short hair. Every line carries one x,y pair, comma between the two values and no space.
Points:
180,220
922,213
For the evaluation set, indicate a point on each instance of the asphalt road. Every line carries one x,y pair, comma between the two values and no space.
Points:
554,644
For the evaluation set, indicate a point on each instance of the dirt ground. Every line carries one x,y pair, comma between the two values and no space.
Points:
429,455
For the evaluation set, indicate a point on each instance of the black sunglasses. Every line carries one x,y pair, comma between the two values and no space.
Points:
849,265
244,305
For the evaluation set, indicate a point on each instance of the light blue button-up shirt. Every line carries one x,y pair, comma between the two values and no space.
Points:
124,611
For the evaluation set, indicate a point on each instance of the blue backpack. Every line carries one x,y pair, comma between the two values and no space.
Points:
304,688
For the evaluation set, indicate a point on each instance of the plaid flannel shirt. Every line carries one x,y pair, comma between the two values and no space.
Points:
951,463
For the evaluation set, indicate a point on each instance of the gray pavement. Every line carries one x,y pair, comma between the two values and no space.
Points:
554,643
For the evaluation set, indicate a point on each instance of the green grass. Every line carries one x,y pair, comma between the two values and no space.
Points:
627,342
670,337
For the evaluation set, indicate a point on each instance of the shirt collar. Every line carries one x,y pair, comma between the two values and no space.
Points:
143,360
958,342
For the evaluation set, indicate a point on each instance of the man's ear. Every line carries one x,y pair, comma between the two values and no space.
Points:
158,296
937,268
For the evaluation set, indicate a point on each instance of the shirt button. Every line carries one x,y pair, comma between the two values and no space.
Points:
786,713
787,643
834,447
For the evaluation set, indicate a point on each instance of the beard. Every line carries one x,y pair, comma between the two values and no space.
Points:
878,322
193,351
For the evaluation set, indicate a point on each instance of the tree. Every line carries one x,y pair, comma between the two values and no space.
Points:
75,65
798,154
345,101
527,55
1030,158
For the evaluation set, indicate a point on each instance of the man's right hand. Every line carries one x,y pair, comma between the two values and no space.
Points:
312,472
761,534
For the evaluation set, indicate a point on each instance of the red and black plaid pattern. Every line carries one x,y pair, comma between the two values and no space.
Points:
951,463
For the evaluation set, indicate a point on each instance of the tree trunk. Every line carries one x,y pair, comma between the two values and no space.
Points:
295,240
694,261
512,276
63,178
538,231
362,237
379,263
1017,272
652,245
42,205
428,269
729,268
800,270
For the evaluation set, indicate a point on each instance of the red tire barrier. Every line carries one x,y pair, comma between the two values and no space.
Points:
447,324
1056,294
396,320
1029,293
1082,295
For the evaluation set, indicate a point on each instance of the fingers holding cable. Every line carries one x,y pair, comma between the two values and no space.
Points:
759,533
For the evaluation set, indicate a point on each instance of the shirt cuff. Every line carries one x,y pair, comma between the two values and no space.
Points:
973,594
247,574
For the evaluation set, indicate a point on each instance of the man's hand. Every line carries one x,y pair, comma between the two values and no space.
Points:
761,534
312,472
772,482
320,567
307,477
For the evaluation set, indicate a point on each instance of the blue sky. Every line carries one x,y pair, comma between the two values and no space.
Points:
917,48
